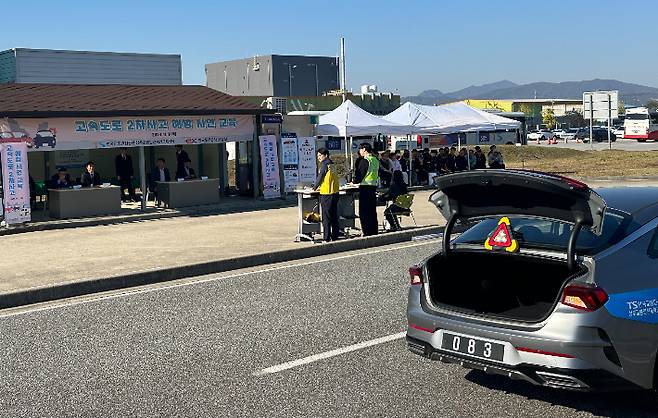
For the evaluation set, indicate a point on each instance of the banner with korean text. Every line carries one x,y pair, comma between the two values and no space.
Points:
50,134
269,160
307,160
16,183
290,161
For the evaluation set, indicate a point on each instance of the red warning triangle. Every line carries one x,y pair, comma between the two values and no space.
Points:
501,237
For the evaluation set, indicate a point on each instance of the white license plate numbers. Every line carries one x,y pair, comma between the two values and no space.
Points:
473,347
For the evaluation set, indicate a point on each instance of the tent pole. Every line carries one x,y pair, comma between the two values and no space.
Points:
142,176
351,158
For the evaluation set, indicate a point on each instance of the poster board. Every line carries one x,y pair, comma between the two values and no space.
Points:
290,161
270,166
16,183
307,160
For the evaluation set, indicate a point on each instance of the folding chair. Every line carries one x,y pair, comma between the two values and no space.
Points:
405,201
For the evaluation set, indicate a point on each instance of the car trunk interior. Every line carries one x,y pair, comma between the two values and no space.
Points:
510,286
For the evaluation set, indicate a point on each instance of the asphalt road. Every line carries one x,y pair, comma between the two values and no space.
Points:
220,346
622,144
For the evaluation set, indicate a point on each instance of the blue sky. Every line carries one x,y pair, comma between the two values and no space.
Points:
403,46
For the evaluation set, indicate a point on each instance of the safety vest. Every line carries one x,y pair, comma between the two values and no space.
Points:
372,176
329,183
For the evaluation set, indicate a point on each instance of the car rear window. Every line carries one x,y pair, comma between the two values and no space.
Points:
551,234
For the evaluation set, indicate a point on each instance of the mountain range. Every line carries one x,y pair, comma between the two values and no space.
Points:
629,93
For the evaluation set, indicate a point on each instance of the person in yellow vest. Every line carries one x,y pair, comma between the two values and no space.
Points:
367,178
327,185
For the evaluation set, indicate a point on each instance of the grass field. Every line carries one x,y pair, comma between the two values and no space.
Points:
607,163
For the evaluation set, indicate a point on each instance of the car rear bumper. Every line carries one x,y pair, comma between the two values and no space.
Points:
560,378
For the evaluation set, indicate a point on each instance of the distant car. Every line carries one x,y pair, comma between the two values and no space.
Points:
44,137
601,135
559,133
541,135
619,131
560,289
569,134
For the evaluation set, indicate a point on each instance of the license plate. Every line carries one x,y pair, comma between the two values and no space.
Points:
473,347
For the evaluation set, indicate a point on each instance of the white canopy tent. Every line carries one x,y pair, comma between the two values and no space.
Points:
349,120
448,118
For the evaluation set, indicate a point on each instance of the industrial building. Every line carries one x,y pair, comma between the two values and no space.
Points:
274,75
25,65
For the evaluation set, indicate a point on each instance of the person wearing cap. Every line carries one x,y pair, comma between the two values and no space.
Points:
327,185
60,180
367,178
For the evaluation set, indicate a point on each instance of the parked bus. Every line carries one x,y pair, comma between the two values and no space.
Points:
641,124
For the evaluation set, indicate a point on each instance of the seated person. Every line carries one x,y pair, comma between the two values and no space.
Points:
90,177
60,180
398,188
187,172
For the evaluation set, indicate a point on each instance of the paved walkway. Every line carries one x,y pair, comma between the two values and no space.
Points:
46,258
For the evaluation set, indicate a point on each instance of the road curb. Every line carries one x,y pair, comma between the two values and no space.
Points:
67,290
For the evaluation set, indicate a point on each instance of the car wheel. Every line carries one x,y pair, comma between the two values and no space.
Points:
542,138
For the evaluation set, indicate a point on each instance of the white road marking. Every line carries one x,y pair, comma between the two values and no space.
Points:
328,354
113,294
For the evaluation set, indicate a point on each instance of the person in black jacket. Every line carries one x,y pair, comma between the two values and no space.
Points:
181,157
60,180
398,188
159,173
124,171
90,177
187,172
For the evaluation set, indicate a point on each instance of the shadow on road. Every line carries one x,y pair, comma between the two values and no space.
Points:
614,404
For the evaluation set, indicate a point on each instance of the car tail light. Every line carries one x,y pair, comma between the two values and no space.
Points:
585,298
416,275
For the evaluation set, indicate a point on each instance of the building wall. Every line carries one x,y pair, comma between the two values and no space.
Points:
245,77
271,75
85,67
502,105
7,66
296,75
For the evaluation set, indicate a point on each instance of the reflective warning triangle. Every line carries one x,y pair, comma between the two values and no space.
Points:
502,237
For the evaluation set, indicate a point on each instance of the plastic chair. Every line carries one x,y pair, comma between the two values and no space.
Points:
405,201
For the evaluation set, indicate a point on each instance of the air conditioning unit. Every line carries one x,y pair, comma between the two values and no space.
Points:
277,103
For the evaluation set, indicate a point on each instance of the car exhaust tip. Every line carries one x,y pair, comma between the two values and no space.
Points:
561,381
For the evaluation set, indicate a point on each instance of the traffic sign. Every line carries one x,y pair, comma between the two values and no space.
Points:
604,103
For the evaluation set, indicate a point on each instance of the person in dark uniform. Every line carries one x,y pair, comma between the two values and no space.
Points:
123,164
60,180
90,177
367,178
181,157
187,172
160,173
327,185
398,188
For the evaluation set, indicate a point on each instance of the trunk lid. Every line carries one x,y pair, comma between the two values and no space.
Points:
482,193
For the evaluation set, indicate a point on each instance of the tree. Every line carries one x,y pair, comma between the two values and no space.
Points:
574,119
549,118
621,109
652,104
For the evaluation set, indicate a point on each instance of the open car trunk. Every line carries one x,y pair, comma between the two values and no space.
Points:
507,286
499,280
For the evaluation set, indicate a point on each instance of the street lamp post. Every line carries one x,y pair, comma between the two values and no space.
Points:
317,80
290,67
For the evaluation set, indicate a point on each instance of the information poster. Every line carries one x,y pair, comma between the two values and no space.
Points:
290,161
16,183
270,166
307,160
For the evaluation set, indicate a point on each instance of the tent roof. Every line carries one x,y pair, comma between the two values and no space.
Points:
449,118
349,119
